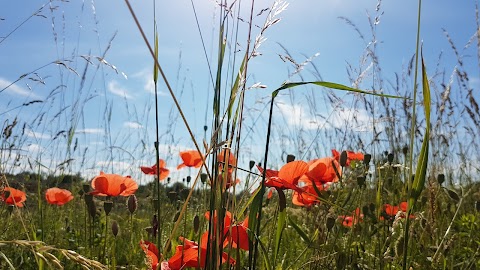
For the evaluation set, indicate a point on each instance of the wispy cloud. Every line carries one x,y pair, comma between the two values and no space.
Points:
146,76
15,89
89,131
115,88
358,120
132,125
37,135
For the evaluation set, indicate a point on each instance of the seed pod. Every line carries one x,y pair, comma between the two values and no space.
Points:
441,178
196,223
189,178
290,158
251,164
330,223
203,178
107,207
205,128
177,215
168,180
361,181
343,158
366,159
405,150
115,228
86,188
390,157
132,203
155,204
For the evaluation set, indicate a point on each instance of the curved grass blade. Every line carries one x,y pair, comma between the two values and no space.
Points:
331,85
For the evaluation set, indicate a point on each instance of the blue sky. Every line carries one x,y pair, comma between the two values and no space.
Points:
112,111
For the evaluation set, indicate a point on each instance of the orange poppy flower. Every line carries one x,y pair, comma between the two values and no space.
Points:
187,255
390,211
349,221
350,156
164,172
113,185
322,170
239,236
232,160
287,177
307,195
190,158
229,183
15,196
151,251
58,196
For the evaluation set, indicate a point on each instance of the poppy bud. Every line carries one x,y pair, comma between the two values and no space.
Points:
251,164
453,195
290,158
168,180
92,209
154,226
366,159
189,178
343,159
371,206
361,181
390,157
196,223
155,204
441,178
86,188
330,223
405,150
366,210
183,180
10,208
203,178
132,203
177,215
107,207
205,128
115,228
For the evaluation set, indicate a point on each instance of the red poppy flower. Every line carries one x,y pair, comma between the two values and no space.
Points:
229,183
307,195
322,170
287,177
390,211
239,236
113,185
58,196
15,196
222,159
191,158
164,172
349,221
350,156
151,251
186,255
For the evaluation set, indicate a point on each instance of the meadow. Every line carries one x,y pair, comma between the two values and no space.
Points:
386,179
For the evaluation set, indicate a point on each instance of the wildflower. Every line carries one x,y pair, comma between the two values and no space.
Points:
323,170
287,177
190,158
231,163
13,196
187,254
349,221
113,185
153,169
350,156
239,236
58,196
307,195
151,251
391,211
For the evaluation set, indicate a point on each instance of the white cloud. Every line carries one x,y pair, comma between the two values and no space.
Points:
34,148
115,88
356,119
133,125
90,131
37,135
15,89
146,76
